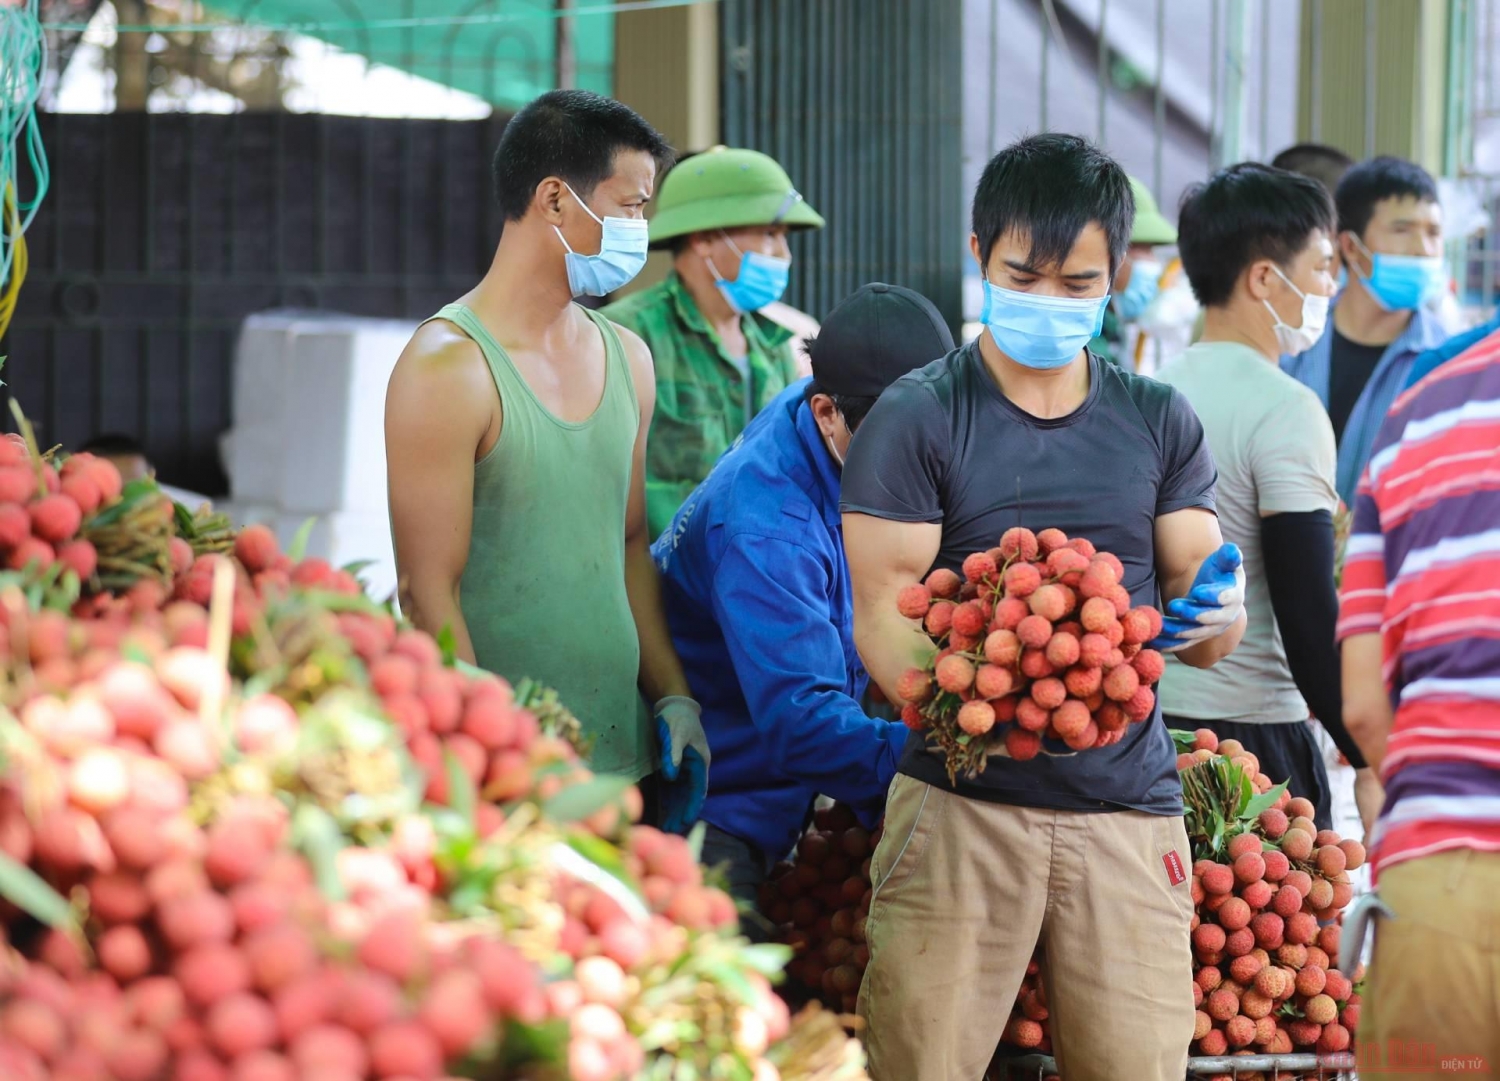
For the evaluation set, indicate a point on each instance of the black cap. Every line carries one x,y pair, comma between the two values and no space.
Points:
874,337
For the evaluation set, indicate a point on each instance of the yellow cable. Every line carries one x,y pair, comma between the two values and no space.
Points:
19,261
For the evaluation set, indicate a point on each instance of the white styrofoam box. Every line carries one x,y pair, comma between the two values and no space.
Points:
334,422
251,450
345,538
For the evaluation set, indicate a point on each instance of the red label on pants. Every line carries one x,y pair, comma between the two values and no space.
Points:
1175,874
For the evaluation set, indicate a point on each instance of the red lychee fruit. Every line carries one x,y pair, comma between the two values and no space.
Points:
1034,664
256,548
1208,938
993,681
944,583
1093,650
1239,1031
406,1049
1062,651
1050,540
1214,1043
1022,745
1120,684
1098,579
1083,682
1030,716
955,674
80,557
979,566
1071,719
1050,693
940,618
1234,914
1273,982
1274,823
124,952
1297,844
1098,615
976,717
29,551
1019,542
1222,1004
970,620
1238,943
1021,580
1331,859
1243,970
1269,930
1354,854
914,686
212,972
1249,866
1320,896
1287,902
1333,1039
1149,665
1008,613
1257,894
240,1024
55,518
1218,879
913,601
1321,1010
1337,986
1139,706
1002,648
1034,632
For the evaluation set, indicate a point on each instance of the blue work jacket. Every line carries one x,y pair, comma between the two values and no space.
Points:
1434,359
756,592
1424,332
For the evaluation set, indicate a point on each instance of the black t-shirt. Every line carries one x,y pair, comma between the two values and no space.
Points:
943,444
1350,366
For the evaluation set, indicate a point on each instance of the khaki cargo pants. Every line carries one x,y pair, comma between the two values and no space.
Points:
1432,1004
964,892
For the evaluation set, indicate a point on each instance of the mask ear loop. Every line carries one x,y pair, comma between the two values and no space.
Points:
587,211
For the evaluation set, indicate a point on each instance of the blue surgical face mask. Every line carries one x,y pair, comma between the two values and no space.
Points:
1041,331
1400,283
622,254
761,281
1145,284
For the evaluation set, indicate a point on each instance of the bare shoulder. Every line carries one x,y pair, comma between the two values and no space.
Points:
638,355
441,376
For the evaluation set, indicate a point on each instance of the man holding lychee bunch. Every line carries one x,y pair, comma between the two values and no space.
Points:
1083,853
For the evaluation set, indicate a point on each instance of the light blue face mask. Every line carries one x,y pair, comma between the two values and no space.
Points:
761,281
622,254
1401,283
1145,285
1040,331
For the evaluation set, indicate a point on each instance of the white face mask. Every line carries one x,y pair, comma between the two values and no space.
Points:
1294,340
833,450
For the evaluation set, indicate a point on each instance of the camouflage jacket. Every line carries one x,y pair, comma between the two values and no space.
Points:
703,400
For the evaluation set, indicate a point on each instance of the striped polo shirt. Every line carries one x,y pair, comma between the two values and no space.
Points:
1422,570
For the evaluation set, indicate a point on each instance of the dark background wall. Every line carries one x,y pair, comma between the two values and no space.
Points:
163,232
861,100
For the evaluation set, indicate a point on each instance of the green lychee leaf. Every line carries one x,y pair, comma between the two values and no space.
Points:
527,1046
1183,741
318,836
447,643
28,891
297,550
460,787
1263,802
577,802
695,840
601,853
769,959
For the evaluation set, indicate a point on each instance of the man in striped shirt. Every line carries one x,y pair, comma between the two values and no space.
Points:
1420,630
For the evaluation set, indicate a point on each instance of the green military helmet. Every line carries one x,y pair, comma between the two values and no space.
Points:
728,188
1150,226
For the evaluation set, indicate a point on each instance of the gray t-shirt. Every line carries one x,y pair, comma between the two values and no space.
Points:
943,444
1275,450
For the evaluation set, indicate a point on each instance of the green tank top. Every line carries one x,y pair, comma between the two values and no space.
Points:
543,592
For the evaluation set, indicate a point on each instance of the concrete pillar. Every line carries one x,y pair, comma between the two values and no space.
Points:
667,69
1374,77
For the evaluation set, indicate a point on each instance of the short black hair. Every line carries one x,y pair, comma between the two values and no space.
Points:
854,409
1372,182
1050,187
1325,164
113,445
572,134
1241,214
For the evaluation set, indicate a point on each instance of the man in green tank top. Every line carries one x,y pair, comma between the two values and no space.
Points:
516,426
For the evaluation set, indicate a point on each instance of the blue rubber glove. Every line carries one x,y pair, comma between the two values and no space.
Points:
1214,602
684,762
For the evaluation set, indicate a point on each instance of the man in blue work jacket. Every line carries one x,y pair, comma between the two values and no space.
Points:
757,595
1391,243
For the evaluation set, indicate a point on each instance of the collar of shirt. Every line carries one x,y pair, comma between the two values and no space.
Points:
824,471
1425,331
761,333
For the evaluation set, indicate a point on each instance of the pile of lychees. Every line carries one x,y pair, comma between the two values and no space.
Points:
1268,890
1037,641
254,829
818,904
1266,929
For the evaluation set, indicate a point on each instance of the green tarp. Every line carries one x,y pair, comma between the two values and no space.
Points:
507,61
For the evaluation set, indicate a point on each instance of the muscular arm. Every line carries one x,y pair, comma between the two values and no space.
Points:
1367,705
1184,539
661,672
884,556
440,410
